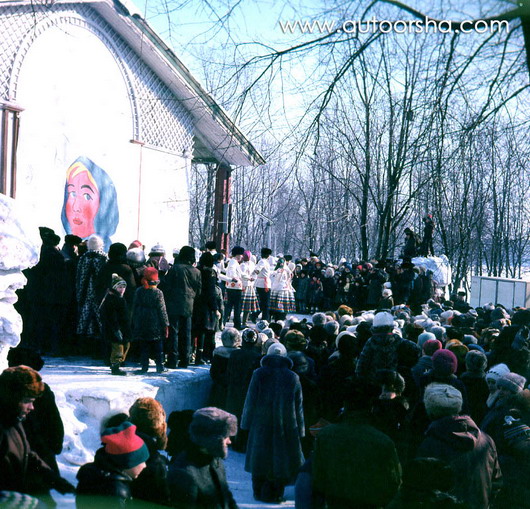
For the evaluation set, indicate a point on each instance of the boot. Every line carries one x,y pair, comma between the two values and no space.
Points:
198,358
115,370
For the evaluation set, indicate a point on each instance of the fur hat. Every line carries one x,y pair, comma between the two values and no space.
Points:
230,337
318,319
48,236
117,281
438,331
444,362
442,400
268,332
25,356
123,446
249,336
511,382
332,327
238,250
117,252
383,319
295,340
476,362
186,255
135,255
267,344
496,372
344,310
94,243
21,382
458,348
150,419
72,240
424,337
277,349
210,426
431,346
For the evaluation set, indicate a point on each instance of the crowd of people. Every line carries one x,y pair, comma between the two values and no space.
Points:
388,395
81,300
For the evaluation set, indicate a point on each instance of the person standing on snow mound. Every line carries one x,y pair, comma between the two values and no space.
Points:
20,466
427,247
197,477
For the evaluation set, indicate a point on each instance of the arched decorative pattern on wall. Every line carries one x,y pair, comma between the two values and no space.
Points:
159,118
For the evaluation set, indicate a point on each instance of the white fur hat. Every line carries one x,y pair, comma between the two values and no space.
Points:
94,243
441,400
383,319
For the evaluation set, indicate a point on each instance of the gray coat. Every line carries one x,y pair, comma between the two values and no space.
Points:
182,284
274,416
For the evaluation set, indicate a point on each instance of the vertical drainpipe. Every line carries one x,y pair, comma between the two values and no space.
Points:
139,205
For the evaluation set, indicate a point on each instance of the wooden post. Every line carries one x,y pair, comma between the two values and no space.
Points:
223,207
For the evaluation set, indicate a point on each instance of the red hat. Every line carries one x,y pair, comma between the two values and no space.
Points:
123,446
150,277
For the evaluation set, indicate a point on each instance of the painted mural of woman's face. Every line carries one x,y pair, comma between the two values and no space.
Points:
83,200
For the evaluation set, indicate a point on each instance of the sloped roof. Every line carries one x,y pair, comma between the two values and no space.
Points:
217,137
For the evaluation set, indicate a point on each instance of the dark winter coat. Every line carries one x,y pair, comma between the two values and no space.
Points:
334,383
301,284
47,278
355,465
114,318
88,269
381,352
219,375
206,305
44,428
375,287
151,485
471,454
477,394
241,366
198,481
102,485
273,414
182,285
19,464
422,366
149,318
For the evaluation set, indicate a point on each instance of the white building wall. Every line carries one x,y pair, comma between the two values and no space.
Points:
86,93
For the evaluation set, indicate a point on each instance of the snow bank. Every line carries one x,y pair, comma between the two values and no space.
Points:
86,393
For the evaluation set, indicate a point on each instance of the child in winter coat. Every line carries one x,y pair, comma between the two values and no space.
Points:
150,321
114,318
106,482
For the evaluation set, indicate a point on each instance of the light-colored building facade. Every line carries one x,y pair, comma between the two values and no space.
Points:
100,123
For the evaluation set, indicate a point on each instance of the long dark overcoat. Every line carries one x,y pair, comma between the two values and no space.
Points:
274,416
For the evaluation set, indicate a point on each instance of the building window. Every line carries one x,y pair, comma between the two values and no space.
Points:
9,128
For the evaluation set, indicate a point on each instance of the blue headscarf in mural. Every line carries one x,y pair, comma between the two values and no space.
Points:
90,201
